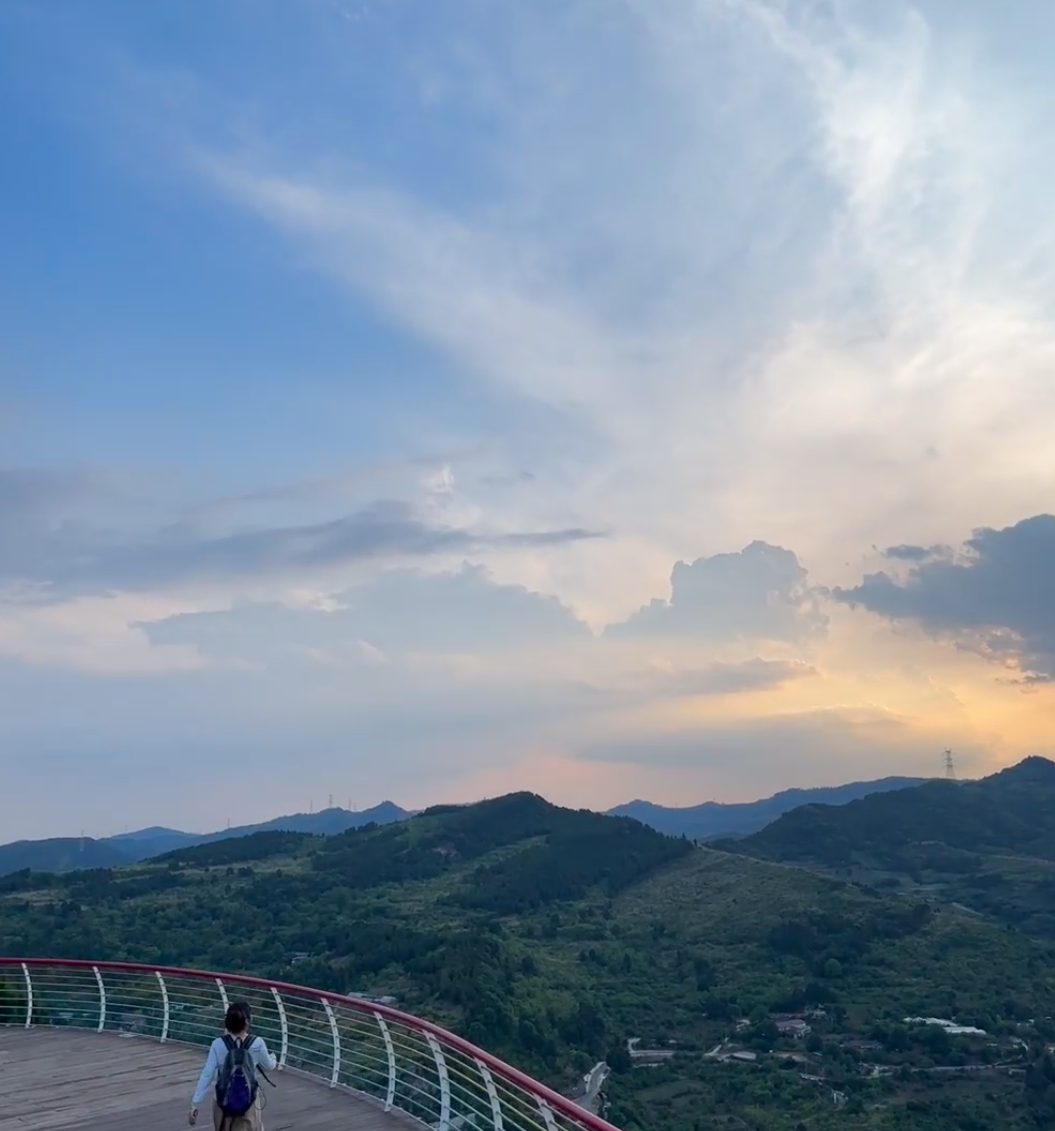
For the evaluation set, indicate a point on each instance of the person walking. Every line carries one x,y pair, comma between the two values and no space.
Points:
231,1069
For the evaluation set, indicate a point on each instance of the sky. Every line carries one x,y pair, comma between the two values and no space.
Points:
427,399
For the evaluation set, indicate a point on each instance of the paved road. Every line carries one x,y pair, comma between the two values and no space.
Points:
592,1083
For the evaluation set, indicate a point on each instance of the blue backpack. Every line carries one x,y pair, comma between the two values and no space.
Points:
236,1083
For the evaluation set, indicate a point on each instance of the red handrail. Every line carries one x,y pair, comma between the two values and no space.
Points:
555,1100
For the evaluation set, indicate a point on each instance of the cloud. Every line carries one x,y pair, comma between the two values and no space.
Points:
74,558
756,756
828,290
398,612
306,492
996,598
737,678
905,553
35,509
38,493
760,593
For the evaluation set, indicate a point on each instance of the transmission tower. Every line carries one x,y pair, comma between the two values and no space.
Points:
950,766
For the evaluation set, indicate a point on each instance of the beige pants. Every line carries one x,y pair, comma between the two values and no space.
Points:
253,1120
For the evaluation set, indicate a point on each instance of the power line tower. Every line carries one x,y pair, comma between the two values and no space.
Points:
950,766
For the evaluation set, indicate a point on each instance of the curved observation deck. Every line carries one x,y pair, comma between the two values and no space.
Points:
82,1042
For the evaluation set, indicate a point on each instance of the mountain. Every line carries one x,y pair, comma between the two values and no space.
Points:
327,822
553,937
702,822
65,854
988,845
155,832
60,854
714,819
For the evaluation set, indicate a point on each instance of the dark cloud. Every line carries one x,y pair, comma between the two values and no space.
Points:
762,592
384,529
400,611
738,678
905,553
996,598
43,541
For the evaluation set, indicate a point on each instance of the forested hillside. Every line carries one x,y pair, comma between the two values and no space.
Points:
553,937
988,845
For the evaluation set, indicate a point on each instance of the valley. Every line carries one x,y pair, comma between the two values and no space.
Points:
722,990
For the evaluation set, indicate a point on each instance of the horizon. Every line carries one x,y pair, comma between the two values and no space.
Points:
413,811
593,397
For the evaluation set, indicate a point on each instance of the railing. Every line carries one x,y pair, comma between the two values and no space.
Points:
395,1059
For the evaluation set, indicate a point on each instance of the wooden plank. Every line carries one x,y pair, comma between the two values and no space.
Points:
63,1079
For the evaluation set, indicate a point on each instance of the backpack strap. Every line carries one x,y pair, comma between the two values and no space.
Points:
250,1040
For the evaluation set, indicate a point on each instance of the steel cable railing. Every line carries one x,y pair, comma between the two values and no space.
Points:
397,1060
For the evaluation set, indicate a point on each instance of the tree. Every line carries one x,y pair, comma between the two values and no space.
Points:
619,1059
937,1041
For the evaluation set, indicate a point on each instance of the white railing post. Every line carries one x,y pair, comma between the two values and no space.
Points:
336,1042
492,1095
390,1049
164,1006
102,998
445,1083
29,996
285,1028
223,994
547,1114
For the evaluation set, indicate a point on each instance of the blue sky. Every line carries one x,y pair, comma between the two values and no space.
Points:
604,398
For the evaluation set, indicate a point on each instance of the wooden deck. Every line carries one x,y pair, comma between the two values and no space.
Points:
61,1078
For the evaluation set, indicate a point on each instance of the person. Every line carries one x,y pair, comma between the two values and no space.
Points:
236,1034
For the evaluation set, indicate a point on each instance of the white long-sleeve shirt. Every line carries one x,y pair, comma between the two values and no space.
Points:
218,1054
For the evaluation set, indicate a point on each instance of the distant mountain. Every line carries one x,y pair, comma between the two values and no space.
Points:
60,854
327,822
987,845
66,854
714,819
155,832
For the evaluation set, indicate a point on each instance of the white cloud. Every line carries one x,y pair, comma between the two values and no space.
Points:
787,318
401,611
760,593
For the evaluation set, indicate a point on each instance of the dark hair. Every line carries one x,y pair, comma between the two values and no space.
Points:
238,1017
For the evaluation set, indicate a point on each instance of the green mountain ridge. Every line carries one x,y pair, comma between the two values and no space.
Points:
988,845
67,854
707,821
